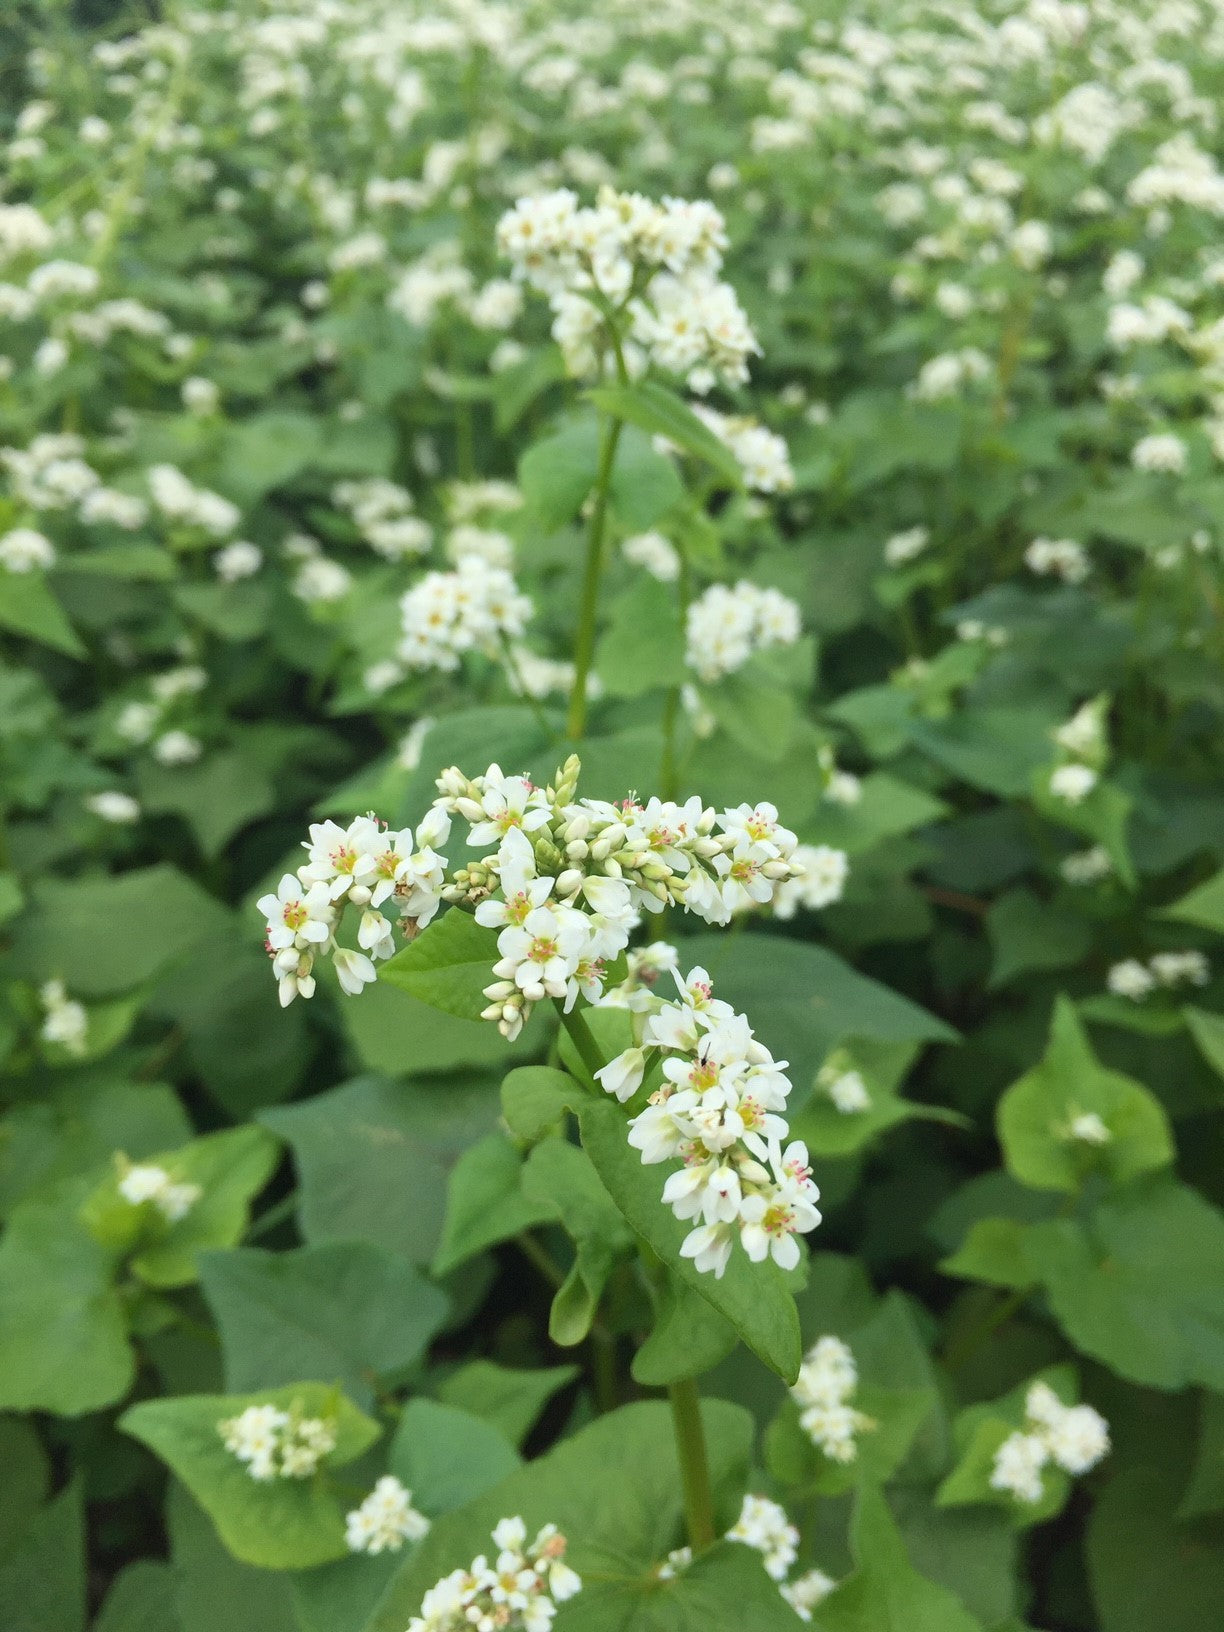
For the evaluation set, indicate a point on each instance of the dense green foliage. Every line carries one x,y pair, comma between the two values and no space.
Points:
249,255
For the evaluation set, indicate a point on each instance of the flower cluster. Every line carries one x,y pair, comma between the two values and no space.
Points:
1073,1437
365,865
146,1182
761,453
843,1084
1137,980
728,623
1083,739
1058,558
65,1021
22,549
447,614
276,1444
385,1520
629,267
520,1589
382,512
764,1526
717,1110
824,1391
820,877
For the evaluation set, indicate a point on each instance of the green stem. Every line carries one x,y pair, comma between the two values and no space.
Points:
276,1214
589,1051
584,647
694,1464
669,782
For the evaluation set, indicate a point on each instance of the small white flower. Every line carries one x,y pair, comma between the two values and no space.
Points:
24,550
113,806
1017,1467
1073,783
177,748
385,1519
1131,979
1089,1129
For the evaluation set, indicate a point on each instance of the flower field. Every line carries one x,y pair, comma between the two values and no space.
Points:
611,816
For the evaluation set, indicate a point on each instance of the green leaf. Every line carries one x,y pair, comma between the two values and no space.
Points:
535,1098
614,1491
214,1589
829,1132
42,1579
643,647
142,1599
660,412
755,1298
688,1337
446,1457
150,917
1028,933
346,1310
395,1034
267,451
279,1524
561,1177
993,1251
1204,905
1208,1032
230,1168
63,1336
1139,1285
217,796
1147,1569
486,1203
27,607
886,1593
11,898
644,484
1035,1113
448,965
557,474
509,1400
1103,816
373,1158
793,1459
1205,1492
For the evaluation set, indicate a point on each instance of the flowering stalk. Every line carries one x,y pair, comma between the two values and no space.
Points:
584,642
694,1463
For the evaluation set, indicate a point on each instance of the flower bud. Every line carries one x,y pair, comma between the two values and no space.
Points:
570,882
577,849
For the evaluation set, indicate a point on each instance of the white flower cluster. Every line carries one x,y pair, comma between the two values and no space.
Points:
1073,1437
276,1444
728,623
447,614
1162,453
146,1182
906,546
1137,980
764,1526
113,805
718,1111
65,1021
363,864
385,1520
179,500
656,554
1086,866
820,877
22,549
382,512
633,268
1058,558
575,875
1083,738
843,1084
947,375
518,1591
1087,1128
824,1390
762,454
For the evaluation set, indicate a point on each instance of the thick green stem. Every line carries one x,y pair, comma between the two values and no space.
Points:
694,1463
580,1035
584,646
669,781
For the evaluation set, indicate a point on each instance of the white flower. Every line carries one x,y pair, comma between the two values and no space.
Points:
1073,783
1058,557
1086,866
1180,968
298,915
145,1182
806,1591
65,1022
1017,1467
449,613
1089,1129
385,1520
1162,452
1131,979
763,1525
276,1444
518,1592
113,806
1078,1439
818,882
177,748
622,1076
824,1391
902,547
24,550
542,953
848,1092
238,560
658,555
201,396
726,625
